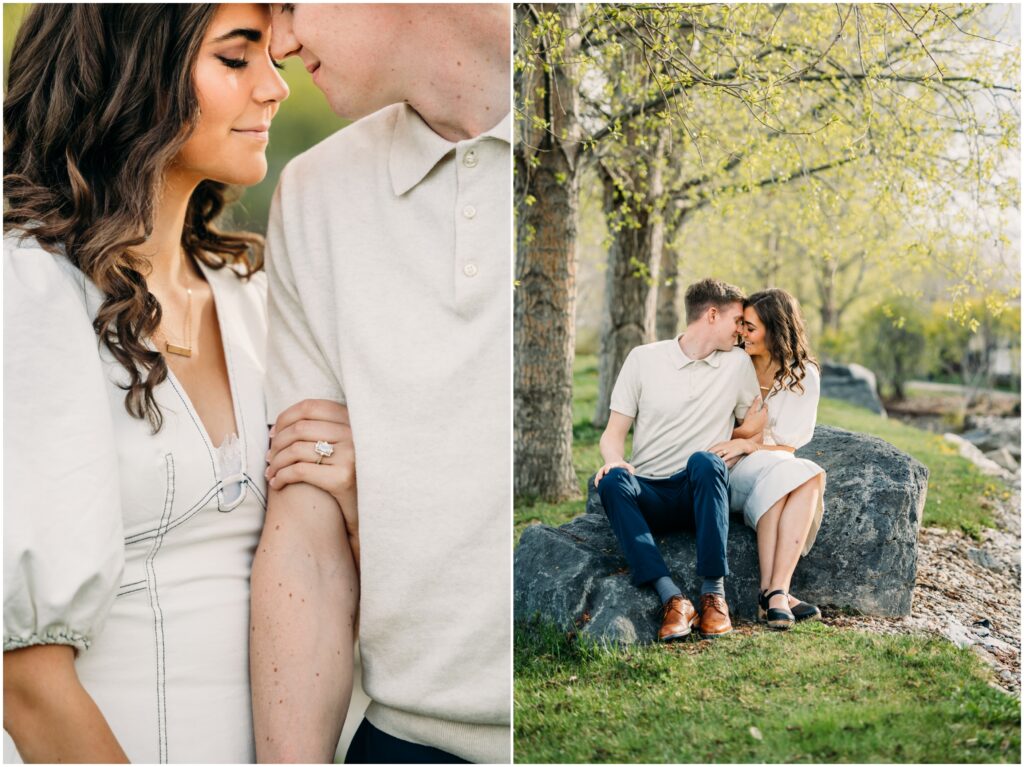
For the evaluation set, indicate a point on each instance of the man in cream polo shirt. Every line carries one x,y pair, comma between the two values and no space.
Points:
681,397
390,278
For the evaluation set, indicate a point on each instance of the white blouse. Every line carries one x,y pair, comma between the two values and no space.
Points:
132,547
792,415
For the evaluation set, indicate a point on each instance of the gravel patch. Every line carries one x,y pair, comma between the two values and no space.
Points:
967,591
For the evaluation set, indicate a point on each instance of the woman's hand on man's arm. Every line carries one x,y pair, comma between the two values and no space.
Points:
293,458
48,714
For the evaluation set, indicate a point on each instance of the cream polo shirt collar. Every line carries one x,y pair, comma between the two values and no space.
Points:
681,360
416,149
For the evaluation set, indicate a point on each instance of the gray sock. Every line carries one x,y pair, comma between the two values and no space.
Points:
713,586
666,588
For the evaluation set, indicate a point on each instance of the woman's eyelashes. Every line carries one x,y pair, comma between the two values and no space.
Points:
232,63
241,63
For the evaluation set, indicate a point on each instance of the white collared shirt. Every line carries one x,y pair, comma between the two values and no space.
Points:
390,266
680,405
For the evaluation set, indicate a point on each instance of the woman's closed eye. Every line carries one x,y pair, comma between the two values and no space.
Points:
233,63
241,63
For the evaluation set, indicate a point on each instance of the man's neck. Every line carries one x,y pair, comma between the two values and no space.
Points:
463,91
695,345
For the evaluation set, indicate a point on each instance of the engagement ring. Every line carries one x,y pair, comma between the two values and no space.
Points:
323,450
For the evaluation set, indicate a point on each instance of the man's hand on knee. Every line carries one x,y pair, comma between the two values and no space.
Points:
613,465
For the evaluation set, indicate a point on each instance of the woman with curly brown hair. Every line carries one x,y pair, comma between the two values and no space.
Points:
134,333
780,495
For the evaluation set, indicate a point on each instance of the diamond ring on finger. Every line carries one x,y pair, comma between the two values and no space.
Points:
323,450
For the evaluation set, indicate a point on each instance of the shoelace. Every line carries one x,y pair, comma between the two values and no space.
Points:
675,603
717,601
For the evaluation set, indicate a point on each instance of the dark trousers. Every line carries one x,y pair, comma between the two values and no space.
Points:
695,498
373,746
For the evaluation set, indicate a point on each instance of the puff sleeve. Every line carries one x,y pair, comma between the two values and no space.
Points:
794,424
63,541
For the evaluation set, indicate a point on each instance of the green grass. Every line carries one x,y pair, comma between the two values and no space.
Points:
815,694
959,496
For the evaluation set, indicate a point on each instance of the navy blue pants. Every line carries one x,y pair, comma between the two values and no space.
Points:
695,498
372,746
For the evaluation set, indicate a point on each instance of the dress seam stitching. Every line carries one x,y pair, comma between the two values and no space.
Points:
158,622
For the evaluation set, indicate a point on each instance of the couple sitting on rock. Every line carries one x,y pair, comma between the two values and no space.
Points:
715,427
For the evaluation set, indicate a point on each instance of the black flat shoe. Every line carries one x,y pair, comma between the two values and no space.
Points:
780,619
806,612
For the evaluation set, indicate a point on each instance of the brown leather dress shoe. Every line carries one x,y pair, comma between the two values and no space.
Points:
714,616
678,619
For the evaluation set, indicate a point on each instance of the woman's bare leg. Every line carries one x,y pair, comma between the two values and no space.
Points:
793,528
767,532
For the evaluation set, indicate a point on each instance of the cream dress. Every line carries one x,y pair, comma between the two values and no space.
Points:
132,547
760,479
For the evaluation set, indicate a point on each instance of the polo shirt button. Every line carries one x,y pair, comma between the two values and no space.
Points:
469,270
470,159
469,211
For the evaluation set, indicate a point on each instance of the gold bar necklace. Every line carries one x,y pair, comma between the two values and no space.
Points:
183,351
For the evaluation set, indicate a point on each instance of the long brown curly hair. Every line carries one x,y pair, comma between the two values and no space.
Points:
784,336
100,100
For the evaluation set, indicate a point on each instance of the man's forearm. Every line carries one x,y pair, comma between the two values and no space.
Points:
305,593
612,450
743,431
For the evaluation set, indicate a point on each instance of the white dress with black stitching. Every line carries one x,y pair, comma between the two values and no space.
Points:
760,479
134,548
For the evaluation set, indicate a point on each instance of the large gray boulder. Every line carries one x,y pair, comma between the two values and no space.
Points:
851,383
864,559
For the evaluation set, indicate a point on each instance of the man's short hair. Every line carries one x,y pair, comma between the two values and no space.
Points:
701,296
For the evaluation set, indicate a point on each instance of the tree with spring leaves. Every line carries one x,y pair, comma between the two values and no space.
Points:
683,108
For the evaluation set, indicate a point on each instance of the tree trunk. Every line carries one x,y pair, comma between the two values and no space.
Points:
547,199
827,297
668,323
668,295
631,282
